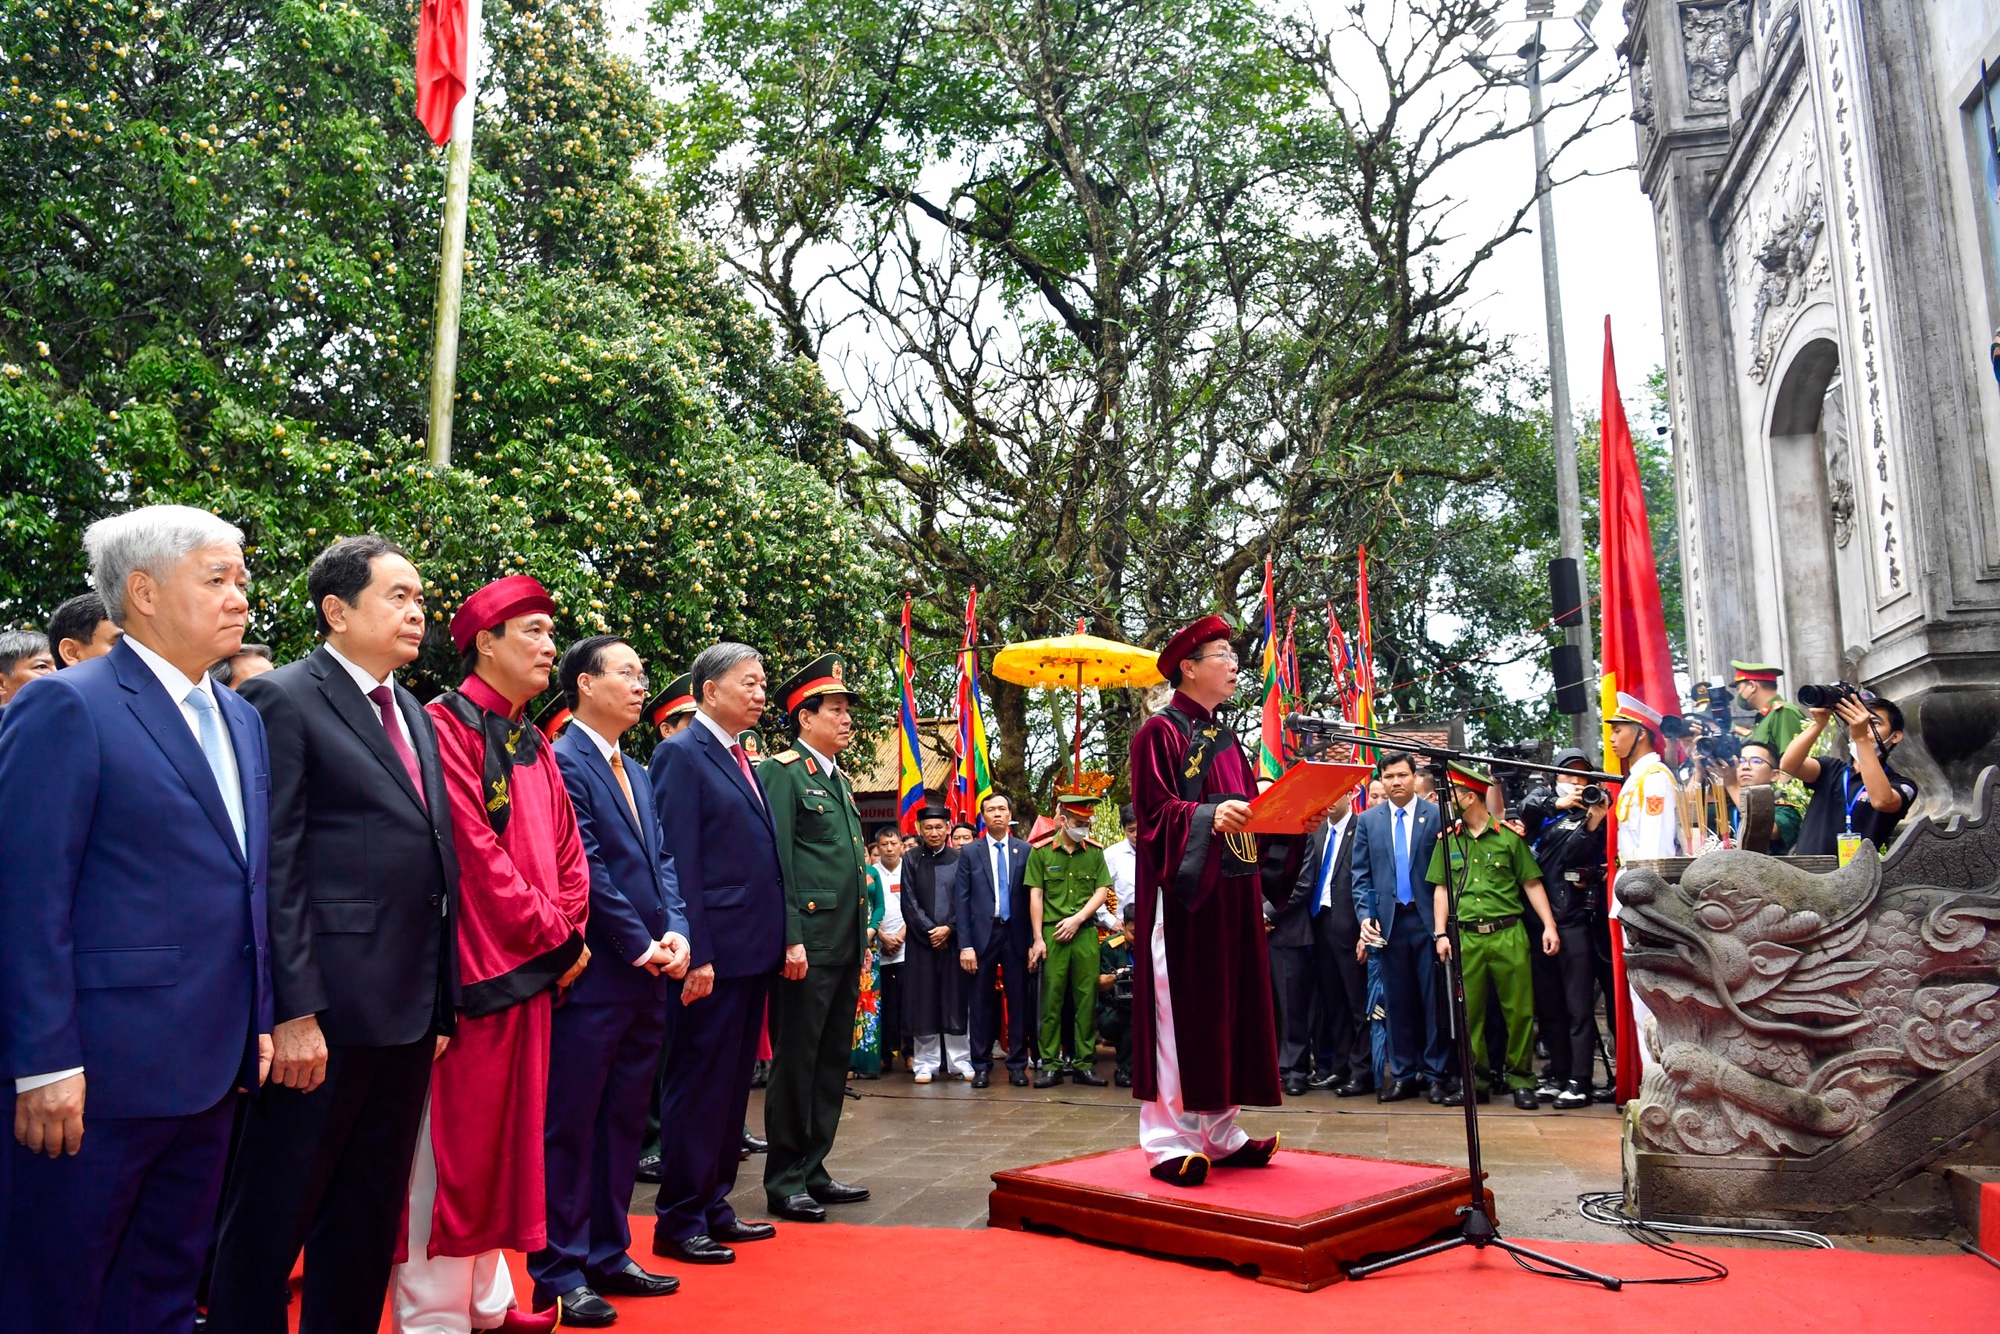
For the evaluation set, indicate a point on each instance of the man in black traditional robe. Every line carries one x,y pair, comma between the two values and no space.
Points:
935,1000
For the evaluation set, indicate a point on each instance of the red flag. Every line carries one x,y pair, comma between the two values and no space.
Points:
444,64
1635,642
1364,667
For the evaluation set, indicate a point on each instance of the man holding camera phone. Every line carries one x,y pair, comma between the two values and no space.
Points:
1851,801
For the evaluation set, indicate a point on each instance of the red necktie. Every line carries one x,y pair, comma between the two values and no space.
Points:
743,763
385,701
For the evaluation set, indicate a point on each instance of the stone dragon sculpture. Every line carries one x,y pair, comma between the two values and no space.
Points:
1786,1008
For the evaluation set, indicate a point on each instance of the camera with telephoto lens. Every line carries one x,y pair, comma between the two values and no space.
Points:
1827,697
1593,794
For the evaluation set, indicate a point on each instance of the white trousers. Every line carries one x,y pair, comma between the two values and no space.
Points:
957,1050
448,1294
1167,1129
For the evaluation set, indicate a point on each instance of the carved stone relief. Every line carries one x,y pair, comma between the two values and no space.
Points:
1783,257
1839,472
1642,90
1787,1008
1712,36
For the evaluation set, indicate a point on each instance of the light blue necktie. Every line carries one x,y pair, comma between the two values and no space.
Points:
1006,908
1404,894
212,743
1326,870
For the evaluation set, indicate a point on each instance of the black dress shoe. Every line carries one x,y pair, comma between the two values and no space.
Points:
1189,1171
1048,1079
700,1249
1018,1078
583,1308
1295,1086
1254,1153
981,1079
1398,1090
836,1192
1089,1078
1122,1078
632,1281
1437,1090
800,1208
649,1168
751,1144
1354,1088
1526,1100
1325,1081
737,1230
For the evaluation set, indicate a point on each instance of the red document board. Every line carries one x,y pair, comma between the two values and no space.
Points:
1304,791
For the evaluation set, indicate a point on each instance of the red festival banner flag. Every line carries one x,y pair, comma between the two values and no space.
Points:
1635,648
444,64
973,783
1271,735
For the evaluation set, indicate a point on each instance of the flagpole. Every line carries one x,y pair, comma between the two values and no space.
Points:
451,252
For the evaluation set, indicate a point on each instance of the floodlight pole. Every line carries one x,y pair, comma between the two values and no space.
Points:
1569,491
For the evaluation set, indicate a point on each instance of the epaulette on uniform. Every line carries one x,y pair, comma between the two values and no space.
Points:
788,757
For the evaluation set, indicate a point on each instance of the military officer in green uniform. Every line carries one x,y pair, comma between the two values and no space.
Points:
822,857
1068,880
1498,881
1778,720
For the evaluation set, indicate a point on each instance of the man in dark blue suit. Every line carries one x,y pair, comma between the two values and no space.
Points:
1392,847
997,934
605,1045
715,823
133,864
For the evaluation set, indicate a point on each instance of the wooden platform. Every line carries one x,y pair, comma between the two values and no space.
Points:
1295,1222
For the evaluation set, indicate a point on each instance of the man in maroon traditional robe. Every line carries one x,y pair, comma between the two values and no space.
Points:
524,892
1204,1040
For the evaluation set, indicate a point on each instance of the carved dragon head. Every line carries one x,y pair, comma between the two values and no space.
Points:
1753,937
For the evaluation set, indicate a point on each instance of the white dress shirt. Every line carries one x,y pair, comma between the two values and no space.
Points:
178,688
365,683
994,846
824,762
727,739
1123,859
892,909
1329,860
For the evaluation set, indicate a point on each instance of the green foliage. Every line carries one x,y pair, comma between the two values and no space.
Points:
218,230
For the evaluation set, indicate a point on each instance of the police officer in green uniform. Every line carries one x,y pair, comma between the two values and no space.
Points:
1068,879
821,853
1778,720
1497,880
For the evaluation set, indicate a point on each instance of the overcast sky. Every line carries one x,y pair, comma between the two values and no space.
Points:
1604,233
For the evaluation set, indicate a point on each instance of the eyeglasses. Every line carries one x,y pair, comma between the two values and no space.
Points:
630,675
1227,655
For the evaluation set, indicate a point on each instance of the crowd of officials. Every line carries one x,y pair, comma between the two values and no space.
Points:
290,962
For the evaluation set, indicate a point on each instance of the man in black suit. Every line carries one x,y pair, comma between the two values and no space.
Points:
715,822
363,918
1317,969
996,934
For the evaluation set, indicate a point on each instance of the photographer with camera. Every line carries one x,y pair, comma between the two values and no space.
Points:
1569,845
1851,800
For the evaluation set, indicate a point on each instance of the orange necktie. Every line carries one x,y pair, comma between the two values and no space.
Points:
624,783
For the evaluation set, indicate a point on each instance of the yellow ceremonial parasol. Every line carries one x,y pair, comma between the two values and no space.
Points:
1073,662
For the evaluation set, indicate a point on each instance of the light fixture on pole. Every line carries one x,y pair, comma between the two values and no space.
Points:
1533,50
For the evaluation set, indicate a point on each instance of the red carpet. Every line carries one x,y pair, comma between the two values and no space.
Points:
981,1281
1293,1186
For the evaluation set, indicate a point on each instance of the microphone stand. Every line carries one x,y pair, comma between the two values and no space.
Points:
1478,1229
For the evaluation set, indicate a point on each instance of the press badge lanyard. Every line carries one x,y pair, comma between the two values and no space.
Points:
1847,791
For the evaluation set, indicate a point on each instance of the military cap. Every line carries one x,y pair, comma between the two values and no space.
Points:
676,699
1762,672
824,675
1632,709
553,719
1080,802
1474,776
